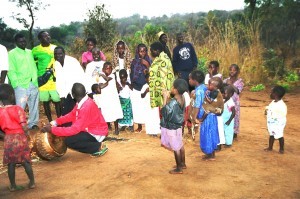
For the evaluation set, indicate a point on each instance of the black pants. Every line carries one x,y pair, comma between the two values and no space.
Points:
67,105
83,142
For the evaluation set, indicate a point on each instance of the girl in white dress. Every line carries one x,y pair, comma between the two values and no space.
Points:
109,101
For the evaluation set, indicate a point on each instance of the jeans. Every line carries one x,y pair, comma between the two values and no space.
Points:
29,96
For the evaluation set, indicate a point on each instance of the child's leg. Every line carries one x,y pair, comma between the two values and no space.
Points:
182,154
57,108
281,144
29,172
116,127
140,127
11,176
178,169
271,142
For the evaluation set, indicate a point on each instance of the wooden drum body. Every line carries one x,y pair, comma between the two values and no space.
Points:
48,146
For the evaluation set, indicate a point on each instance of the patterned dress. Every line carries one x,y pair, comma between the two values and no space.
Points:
161,77
239,84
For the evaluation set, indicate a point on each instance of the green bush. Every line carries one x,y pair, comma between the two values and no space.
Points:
258,87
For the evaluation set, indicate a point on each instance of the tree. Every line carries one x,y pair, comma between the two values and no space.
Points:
101,26
32,6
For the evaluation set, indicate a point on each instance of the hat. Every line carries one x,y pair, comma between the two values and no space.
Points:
161,33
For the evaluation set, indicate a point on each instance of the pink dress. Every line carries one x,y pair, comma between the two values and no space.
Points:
87,57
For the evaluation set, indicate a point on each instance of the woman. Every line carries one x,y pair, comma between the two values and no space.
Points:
87,56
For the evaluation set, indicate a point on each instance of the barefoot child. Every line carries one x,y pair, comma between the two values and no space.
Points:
276,118
171,123
110,103
16,149
228,115
125,89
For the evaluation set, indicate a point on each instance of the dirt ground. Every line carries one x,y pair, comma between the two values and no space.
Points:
138,167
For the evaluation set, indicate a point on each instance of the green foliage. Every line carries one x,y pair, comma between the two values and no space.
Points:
273,63
258,87
101,26
291,77
289,81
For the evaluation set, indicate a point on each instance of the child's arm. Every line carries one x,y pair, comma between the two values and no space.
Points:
232,116
106,78
145,93
103,85
166,96
130,85
203,117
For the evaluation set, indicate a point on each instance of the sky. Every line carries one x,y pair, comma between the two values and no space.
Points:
65,11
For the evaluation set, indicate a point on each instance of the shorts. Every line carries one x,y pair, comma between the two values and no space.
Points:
46,96
171,139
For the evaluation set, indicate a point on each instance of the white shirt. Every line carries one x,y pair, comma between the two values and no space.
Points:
92,74
3,60
67,75
207,77
277,110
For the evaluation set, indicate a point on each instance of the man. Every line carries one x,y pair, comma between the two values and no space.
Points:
3,63
184,59
88,129
44,56
22,74
163,39
68,71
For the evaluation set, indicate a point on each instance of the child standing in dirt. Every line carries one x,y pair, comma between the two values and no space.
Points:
171,123
276,118
16,148
228,115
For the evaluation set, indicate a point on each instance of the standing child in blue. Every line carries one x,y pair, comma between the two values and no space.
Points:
16,149
171,123
276,118
228,115
124,95
209,136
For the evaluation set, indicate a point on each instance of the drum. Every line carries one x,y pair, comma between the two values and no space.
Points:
49,146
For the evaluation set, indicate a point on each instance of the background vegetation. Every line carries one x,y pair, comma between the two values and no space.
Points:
263,39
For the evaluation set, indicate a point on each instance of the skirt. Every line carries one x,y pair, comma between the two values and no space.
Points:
16,149
127,119
171,139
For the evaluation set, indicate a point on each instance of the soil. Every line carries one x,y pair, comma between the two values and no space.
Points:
138,167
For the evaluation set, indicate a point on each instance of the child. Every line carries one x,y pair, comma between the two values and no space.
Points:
16,149
213,69
96,92
171,123
228,115
109,101
124,95
276,118
191,125
87,56
152,123
238,84
93,69
209,137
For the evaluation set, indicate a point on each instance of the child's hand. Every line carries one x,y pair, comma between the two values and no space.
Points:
47,129
166,94
228,122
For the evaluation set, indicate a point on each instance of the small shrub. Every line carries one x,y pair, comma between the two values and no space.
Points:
258,87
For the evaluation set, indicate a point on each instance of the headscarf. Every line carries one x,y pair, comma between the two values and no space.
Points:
127,56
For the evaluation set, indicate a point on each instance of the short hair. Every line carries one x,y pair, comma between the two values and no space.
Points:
78,90
279,90
180,85
94,87
217,81
157,46
237,68
91,39
61,48
230,90
95,49
106,64
179,34
198,76
7,94
123,72
18,36
40,34
215,63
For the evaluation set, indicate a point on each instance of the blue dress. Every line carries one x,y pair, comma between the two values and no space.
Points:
209,135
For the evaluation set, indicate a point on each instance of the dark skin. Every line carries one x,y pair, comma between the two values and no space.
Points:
194,119
179,155
212,70
121,51
274,96
45,39
89,45
233,76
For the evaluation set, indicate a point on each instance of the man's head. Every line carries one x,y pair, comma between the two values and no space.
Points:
44,38
180,38
20,41
78,92
59,54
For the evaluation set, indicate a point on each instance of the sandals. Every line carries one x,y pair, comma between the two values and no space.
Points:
17,188
103,150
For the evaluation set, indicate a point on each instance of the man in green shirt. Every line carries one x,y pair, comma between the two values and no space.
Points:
43,54
22,74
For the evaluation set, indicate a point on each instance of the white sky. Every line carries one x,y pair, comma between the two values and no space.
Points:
65,11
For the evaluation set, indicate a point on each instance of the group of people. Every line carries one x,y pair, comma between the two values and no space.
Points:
142,90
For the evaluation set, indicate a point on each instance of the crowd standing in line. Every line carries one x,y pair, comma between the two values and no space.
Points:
143,90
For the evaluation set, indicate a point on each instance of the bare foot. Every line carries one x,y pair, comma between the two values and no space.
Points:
268,149
31,185
176,171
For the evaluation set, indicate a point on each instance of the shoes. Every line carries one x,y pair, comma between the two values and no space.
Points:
34,127
101,152
175,171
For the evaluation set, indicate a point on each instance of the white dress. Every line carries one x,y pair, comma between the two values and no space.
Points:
152,122
109,101
276,118
92,74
